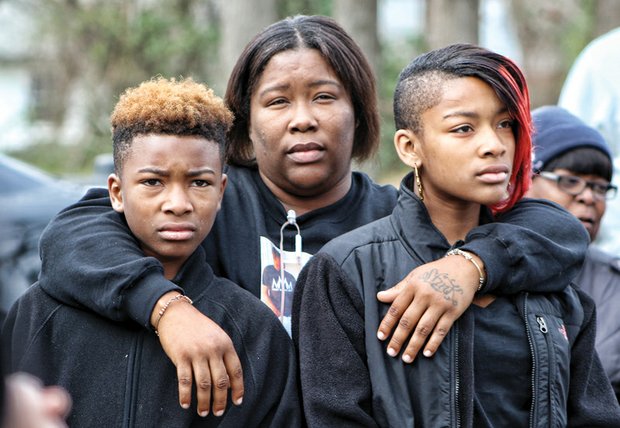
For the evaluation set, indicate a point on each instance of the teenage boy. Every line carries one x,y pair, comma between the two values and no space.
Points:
169,144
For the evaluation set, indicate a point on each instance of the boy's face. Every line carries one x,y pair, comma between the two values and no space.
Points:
169,190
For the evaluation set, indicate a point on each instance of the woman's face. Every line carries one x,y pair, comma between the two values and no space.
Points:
585,206
302,125
468,146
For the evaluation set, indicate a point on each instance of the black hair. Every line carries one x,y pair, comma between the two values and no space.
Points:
339,51
420,87
170,107
583,160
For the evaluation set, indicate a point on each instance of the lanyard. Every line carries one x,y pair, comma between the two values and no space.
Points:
291,220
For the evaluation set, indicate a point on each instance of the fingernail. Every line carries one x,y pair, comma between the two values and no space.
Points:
380,335
391,352
204,413
428,353
239,401
219,413
185,405
407,358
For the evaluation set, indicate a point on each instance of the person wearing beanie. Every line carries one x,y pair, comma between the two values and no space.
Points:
572,166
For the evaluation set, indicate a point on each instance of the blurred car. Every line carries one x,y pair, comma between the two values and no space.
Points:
29,198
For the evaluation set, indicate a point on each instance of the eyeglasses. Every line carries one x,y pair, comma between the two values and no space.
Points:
575,185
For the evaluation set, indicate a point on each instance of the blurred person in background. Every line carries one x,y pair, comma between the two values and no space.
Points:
573,167
591,92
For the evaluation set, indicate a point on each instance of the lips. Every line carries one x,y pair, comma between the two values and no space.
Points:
177,231
587,222
306,152
494,174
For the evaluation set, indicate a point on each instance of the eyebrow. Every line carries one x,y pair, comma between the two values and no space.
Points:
164,173
471,114
313,84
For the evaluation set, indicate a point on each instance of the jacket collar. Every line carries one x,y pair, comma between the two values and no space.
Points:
195,276
413,223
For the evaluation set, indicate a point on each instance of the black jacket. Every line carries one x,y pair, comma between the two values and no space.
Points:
119,376
600,279
89,238
536,243
347,378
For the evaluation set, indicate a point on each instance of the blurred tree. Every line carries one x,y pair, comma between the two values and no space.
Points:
607,16
552,33
88,51
451,21
238,28
359,19
304,7
547,31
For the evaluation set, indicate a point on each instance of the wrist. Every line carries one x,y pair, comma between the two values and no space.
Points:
475,261
163,304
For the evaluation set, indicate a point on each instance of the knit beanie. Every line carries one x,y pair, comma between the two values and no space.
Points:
556,131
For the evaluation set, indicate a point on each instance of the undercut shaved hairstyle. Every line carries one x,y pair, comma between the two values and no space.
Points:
336,47
420,87
168,107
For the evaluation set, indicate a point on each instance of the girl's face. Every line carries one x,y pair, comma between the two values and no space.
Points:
302,125
466,151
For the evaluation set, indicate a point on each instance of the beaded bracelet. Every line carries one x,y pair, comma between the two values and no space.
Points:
471,259
163,309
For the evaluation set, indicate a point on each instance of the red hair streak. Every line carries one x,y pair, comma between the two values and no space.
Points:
521,177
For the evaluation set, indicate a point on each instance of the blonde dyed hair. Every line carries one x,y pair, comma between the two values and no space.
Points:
169,107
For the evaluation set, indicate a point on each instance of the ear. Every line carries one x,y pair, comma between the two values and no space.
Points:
407,146
116,194
223,183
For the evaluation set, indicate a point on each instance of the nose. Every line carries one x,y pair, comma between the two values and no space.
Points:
586,196
303,118
177,201
492,144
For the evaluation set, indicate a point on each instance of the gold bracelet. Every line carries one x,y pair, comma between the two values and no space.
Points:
471,259
163,309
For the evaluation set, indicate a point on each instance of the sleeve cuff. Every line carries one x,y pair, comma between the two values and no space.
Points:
139,300
490,251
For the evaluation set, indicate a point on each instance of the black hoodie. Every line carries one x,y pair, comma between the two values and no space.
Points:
118,375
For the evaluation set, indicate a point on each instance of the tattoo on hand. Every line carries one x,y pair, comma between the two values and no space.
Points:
442,283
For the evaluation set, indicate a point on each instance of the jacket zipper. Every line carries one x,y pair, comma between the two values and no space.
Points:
534,368
542,326
457,379
131,386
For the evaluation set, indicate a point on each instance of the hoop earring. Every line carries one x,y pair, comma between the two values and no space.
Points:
418,182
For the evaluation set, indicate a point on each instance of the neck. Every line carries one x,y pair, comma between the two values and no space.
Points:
454,222
308,200
169,274
171,265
